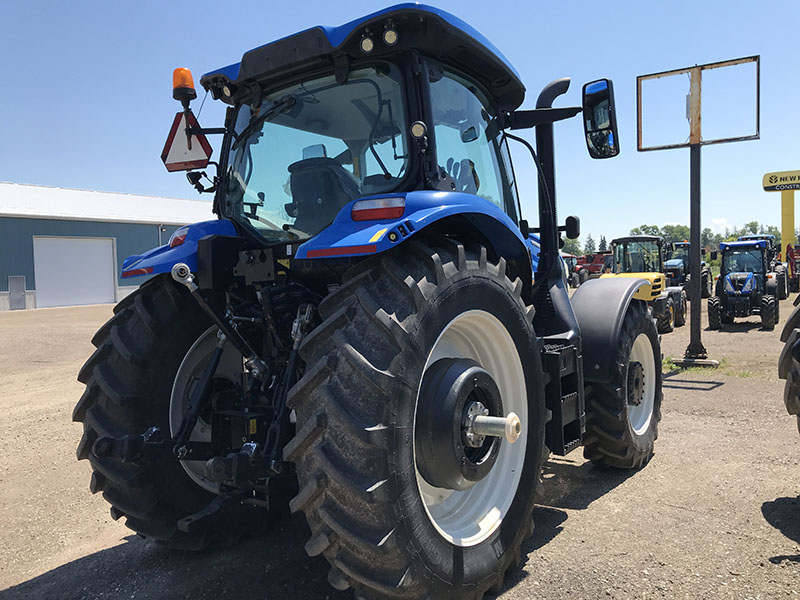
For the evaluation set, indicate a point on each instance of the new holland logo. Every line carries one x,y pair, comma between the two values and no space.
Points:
781,181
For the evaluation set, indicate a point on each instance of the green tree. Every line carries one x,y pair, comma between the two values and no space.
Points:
706,238
645,230
589,246
603,245
751,227
674,233
572,247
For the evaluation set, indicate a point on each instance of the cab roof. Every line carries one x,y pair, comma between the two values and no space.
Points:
434,32
743,244
638,238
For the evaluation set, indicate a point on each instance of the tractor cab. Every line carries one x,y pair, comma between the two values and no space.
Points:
642,257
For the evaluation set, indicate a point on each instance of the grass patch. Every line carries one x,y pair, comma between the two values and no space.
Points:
668,367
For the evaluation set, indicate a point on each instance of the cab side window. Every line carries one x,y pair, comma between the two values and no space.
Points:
468,145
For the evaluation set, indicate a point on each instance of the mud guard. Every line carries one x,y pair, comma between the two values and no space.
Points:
600,306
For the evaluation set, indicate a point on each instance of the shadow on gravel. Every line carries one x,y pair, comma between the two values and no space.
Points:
697,385
784,515
736,327
273,566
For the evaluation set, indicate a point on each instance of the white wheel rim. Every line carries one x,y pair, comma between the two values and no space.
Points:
468,517
639,416
193,364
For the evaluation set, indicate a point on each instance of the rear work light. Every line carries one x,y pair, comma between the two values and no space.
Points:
377,209
178,237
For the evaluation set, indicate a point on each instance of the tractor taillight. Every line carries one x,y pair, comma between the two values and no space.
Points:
178,237
376,209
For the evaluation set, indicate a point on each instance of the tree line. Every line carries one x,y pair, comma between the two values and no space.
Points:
678,233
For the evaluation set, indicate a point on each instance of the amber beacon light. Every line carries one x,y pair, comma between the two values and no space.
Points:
183,85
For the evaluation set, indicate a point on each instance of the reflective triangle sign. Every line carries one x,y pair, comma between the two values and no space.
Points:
176,154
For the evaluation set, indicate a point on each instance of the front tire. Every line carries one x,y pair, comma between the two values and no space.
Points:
129,380
714,308
680,314
622,416
768,312
705,284
666,320
384,530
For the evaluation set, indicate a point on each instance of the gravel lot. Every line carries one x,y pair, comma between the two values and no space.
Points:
716,514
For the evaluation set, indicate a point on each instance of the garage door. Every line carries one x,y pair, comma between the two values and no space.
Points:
71,271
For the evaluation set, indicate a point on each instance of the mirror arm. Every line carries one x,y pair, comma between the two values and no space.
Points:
526,119
206,130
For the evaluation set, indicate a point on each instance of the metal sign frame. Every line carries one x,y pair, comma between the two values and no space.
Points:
695,92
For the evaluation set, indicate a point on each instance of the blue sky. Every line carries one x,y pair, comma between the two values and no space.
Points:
87,103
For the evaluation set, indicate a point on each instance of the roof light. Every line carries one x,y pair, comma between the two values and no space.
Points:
376,209
390,37
367,45
183,85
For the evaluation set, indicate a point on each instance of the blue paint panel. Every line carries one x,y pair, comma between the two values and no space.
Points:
744,244
337,35
162,258
422,208
16,242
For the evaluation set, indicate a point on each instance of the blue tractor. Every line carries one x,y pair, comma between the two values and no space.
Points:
745,286
371,333
676,268
774,261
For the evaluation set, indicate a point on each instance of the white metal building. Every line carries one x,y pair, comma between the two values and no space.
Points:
65,247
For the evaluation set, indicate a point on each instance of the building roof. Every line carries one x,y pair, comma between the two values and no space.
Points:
40,202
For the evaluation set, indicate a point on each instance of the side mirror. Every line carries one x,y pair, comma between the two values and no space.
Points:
702,251
573,228
469,135
714,255
599,119
524,228
669,246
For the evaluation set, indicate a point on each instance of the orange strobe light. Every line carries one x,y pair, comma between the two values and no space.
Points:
183,85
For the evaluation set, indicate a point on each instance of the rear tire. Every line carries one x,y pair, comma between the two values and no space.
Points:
666,320
383,531
584,276
129,382
789,366
768,312
714,309
622,416
783,290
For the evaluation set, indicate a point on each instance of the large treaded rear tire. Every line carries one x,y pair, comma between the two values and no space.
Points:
356,406
705,284
128,385
783,289
789,364
611,438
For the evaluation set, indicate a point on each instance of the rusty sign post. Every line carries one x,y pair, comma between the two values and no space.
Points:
695,352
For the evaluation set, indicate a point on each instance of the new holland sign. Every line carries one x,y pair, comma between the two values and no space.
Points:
781,181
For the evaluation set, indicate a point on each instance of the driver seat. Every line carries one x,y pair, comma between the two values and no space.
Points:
320,188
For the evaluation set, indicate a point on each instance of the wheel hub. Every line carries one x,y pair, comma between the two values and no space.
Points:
458,421
635,383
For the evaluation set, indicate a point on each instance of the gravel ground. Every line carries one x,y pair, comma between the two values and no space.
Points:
716,513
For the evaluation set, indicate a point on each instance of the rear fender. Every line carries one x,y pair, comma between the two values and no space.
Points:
600,306
162,259
464,216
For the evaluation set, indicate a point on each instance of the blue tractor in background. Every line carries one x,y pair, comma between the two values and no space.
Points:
745,286
371,333
676,269
774,261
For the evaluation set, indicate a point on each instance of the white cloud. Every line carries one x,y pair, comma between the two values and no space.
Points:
720,224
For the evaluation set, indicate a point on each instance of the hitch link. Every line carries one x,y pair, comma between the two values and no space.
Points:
183,275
